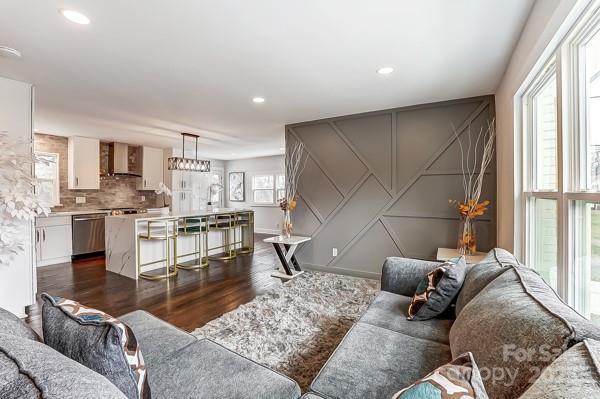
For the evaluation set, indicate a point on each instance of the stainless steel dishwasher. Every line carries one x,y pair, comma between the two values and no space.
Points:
88,233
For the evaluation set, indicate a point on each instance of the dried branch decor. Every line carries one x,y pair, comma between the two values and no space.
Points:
18,201
295,161
473,174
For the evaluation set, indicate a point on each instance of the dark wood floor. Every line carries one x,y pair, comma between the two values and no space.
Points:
188,301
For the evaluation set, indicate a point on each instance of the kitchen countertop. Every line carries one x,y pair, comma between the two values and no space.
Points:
72,213
159,216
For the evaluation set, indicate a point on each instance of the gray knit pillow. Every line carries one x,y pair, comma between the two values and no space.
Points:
98,341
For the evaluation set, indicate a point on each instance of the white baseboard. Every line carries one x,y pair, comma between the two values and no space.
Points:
267,231
42,263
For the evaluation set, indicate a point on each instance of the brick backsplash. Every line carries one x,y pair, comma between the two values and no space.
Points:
114,192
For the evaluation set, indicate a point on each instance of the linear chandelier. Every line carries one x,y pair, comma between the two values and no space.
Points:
191,165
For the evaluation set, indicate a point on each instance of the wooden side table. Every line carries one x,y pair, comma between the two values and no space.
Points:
448,253
285,248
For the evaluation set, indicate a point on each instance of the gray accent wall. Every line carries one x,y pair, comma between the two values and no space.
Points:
377,184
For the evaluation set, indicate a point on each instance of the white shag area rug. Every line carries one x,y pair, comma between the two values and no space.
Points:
294,328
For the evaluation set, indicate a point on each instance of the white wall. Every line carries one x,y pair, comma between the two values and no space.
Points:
267,219
540,31
18,280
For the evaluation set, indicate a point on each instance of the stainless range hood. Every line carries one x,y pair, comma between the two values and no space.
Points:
118,160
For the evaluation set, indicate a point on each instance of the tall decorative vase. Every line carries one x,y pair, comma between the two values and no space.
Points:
286,225
467,237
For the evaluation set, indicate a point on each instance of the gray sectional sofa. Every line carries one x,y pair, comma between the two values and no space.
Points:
512,322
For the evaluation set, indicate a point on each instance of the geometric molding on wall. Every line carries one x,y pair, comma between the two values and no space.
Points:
447,160
422,131
304,219
318,190
358,210
377,184
376,154
332,155
370,251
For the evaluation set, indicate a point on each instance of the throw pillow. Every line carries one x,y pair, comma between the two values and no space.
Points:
98,341
457,379
29,369
438,289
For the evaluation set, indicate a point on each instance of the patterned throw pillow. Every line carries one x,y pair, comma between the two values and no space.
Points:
438,289
459,379
98,341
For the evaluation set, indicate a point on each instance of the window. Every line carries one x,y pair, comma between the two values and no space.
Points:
268,189
561,175
46,171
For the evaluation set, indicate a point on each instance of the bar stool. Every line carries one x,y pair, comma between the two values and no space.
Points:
226,224
159,230
245,221
196,227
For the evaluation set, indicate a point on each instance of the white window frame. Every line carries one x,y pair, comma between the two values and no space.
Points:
571,149
221,172
56,181
274,175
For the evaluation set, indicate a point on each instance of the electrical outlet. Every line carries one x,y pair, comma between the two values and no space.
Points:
334,252
80,200
143,198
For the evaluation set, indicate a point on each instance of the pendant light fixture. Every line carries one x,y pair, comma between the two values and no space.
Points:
191,165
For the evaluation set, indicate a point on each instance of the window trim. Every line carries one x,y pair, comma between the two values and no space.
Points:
565,50
274,190
56,181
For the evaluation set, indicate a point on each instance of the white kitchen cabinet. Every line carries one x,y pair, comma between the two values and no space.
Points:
182,180
53,237
84,163
182,201
152,169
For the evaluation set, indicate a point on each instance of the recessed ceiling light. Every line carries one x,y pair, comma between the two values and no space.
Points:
10,52
385,70
258,100
75,16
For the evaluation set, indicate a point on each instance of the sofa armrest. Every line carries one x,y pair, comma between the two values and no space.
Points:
402,275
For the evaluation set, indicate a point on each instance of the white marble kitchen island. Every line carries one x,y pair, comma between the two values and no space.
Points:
121,232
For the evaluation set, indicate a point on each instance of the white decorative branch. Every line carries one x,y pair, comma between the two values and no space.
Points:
18,200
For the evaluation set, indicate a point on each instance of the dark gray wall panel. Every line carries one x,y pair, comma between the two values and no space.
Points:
378,184
422,236
330,151
447,160
430,194
376,153
339,230
369,253
421,132
305,221
317,189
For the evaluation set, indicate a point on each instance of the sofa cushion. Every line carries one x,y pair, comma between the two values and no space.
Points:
43,372
13,383
390,311
11,324
437,290
207,370
575,374
374,362
478,276
157,338
515,327
98,341
459,378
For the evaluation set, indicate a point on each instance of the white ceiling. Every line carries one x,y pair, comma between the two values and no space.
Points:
144,70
